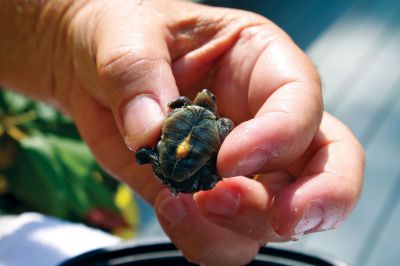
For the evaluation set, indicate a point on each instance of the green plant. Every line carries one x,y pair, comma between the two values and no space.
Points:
46,167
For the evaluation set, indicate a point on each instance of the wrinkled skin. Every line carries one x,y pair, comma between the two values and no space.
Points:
104,62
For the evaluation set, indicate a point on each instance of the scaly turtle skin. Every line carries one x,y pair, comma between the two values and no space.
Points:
185,157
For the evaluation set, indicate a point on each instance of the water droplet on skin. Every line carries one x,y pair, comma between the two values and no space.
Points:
275,227
174,192
128,143
297,237
272,201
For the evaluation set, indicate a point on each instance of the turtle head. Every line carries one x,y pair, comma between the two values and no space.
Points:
206,100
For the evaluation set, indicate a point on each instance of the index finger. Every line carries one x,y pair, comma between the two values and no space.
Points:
283,93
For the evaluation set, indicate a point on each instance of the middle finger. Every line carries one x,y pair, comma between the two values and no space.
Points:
241,205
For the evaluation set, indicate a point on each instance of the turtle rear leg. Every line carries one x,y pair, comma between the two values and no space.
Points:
179,102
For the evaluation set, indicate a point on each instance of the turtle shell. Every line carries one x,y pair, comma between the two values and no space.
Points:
189,139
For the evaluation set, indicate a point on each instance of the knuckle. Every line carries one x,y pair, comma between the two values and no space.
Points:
126,73
245,18
217,255
118,64
192,257
197,252
205,256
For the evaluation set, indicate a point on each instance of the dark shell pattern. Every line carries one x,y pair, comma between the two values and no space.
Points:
200,125
185,157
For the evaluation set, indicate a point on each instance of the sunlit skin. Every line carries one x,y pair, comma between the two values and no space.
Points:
114,66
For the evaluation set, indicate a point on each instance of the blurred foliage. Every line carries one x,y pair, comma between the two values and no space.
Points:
45,167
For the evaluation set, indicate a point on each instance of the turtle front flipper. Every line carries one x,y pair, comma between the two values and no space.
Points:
179,102
148,155
225,125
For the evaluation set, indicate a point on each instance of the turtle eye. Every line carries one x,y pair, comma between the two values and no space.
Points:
213,98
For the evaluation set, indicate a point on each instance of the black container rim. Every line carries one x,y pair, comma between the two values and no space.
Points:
162,252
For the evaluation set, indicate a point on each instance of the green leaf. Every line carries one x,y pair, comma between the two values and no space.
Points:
57,176
42,117
38,178
53,171
14,103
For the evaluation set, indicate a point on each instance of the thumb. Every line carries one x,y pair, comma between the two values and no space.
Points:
136,76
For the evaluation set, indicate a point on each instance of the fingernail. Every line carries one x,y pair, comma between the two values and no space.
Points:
249,164
313,217
333,217
255,160
224,204
141,115
171,209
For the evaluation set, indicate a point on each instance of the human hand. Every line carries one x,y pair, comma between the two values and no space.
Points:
116,64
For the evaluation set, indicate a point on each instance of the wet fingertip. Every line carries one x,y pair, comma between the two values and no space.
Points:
246,153
315,217
312,218
232,197
170,208
200,198
224,205
283,217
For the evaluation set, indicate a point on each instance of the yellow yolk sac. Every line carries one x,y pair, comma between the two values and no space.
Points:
183,148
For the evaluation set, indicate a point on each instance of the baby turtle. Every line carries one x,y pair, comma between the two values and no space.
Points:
185,157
